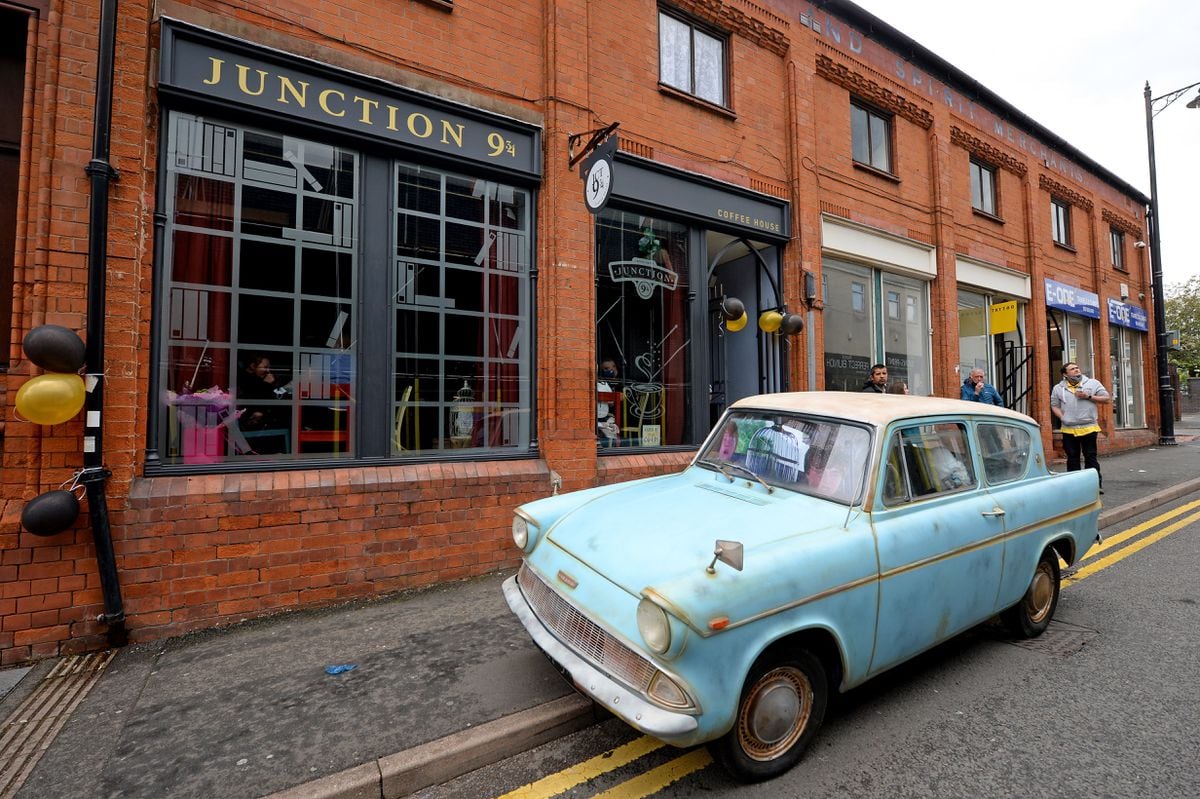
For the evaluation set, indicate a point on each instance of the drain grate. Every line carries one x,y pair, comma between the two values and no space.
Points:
1060,639
28,732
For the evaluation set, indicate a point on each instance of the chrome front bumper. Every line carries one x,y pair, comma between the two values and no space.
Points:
633,708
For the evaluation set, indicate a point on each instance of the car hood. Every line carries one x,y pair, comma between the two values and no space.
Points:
651,533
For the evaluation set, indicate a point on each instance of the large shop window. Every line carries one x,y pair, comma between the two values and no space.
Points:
873,317
643,333
1125,352
1070,341
263,312
461,317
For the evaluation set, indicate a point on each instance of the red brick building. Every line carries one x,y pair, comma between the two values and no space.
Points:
355,308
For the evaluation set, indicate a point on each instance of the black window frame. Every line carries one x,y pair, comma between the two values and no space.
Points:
693,26
992,195
1116,244
887,119
1060,222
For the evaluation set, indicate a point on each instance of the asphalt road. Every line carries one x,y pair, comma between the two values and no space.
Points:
1103,705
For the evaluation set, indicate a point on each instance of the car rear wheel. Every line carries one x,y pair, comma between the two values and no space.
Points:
1030,617
781,709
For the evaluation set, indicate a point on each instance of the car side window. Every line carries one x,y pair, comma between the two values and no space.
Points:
926,460
1005,449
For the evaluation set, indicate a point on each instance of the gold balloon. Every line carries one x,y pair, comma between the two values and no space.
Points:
734,325
51,398
770,321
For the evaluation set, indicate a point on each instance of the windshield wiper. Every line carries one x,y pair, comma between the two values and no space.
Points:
751,472
720,467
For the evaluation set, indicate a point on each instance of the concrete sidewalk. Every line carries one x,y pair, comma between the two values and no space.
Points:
443,681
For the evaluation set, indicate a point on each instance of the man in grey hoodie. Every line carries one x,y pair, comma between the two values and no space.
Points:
1074,401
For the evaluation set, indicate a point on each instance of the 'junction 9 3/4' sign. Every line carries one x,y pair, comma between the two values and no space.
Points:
196,62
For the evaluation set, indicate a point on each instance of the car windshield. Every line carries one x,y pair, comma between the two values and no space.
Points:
810,455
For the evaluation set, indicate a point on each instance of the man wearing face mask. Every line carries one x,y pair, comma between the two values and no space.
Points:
1074,401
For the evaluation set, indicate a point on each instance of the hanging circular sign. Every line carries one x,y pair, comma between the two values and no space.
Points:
598,184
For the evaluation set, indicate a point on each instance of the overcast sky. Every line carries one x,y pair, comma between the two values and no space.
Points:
1079,67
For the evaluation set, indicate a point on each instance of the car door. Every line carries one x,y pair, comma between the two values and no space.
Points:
939,538
1025,494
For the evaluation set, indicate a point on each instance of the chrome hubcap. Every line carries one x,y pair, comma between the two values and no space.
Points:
775,714
1041,593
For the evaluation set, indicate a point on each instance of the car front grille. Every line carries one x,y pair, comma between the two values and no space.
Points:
584,636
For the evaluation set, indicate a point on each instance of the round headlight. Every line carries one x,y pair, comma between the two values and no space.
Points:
654,626
520,532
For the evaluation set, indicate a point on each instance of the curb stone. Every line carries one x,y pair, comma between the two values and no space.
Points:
401,774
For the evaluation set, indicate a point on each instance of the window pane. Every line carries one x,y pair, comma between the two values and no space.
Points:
848,326
976,186
860,135
710,68
252,370
906,341
1005,451
674,48
880,144
989,190
461,318
643,328
937,459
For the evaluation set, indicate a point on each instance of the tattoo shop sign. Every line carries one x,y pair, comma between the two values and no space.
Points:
644,274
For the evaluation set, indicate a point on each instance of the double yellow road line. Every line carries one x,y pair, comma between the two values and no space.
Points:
1111,544
658,778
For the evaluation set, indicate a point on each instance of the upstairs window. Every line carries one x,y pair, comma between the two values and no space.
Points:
871,136
1060,222
1116,240
692,59
983,187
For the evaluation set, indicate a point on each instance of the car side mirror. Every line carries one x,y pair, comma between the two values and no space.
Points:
729,552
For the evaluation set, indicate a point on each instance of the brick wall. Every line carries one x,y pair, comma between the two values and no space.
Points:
199,551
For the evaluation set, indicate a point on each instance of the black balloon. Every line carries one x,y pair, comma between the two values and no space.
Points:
54,348
50,513
792,324
732,308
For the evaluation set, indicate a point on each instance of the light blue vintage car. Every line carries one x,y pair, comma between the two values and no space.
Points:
852,532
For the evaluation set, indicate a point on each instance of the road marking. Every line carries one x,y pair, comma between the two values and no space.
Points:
1138,529
1125,552
580,773
657,779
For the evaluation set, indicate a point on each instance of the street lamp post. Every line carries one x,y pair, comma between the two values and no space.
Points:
1166,394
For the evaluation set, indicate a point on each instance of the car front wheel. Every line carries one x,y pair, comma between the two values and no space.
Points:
782,706
1030,617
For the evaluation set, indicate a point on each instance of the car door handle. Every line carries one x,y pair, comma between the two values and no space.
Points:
993,512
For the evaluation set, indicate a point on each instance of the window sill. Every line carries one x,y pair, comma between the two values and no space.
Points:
692,99
986,215
879,173
444,5
1067,247
1123,270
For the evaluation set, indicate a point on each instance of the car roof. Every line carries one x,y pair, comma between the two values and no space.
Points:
874,409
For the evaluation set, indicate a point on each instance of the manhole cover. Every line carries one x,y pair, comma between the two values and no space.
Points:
1060,639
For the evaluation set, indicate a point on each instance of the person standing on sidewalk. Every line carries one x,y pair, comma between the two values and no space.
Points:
1074,401
975,389
878,381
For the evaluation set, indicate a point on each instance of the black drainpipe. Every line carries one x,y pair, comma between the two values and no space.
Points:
94,473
